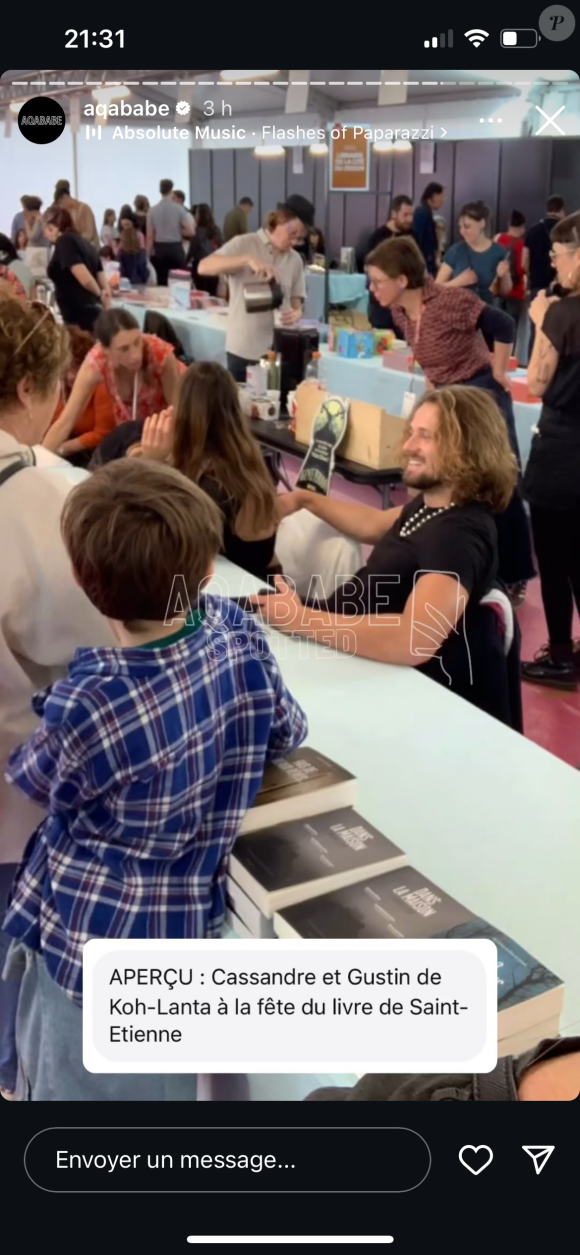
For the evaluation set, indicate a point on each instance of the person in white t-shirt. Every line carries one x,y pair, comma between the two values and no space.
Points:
44,616
265,254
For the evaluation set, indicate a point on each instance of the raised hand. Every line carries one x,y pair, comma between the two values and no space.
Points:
539,307
157,438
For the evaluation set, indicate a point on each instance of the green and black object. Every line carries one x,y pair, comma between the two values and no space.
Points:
328,431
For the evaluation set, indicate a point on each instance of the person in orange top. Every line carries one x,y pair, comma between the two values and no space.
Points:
140,372
97,419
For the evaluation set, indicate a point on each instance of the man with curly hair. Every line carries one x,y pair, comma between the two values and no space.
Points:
416,602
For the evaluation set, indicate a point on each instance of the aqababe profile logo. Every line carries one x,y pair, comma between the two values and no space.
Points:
41,120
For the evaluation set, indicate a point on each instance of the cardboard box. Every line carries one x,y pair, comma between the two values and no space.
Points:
374,438
349,318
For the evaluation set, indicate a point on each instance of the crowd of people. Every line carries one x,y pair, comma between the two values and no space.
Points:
503,271
459,310
121,466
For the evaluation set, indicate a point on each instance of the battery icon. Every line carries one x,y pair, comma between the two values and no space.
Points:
523,37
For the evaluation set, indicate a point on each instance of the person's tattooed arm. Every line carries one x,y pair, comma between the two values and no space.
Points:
543,365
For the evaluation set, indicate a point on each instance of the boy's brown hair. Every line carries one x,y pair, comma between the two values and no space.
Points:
130,529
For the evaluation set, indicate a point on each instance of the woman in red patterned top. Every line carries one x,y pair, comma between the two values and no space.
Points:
140,372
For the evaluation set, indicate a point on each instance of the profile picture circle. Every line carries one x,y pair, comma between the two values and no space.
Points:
41,120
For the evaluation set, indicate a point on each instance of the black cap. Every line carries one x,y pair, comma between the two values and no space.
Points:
301,207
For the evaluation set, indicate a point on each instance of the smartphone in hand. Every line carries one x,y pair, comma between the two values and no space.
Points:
247,603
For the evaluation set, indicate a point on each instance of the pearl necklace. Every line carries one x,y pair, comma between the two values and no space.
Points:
417,520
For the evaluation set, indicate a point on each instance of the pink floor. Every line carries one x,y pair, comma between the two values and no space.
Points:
551,718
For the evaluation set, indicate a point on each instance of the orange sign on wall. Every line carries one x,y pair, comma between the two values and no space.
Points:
349,160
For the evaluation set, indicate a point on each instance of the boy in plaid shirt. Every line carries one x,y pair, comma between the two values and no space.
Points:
146,759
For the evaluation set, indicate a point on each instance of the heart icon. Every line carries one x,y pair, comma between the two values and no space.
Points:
475,1155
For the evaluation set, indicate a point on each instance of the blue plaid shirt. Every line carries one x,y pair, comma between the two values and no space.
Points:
146,761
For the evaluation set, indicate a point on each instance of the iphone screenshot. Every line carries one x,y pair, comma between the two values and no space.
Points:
290,631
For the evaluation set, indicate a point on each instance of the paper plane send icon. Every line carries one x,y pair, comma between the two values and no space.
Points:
540,1156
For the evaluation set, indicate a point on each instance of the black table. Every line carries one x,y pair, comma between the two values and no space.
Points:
277,437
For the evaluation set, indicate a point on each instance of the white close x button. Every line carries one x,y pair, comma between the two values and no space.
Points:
550,120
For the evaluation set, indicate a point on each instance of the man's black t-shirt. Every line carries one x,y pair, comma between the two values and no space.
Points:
461,541
72,250
380,235
552,478
537,241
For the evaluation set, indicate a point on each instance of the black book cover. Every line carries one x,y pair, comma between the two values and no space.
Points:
398,904
303,854
297,786
302,771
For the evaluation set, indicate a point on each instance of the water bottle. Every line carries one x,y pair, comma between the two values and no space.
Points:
274,371
312,372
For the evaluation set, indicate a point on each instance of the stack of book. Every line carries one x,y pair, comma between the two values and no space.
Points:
302,838
307,865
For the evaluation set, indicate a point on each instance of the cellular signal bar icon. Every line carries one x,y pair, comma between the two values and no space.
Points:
440,41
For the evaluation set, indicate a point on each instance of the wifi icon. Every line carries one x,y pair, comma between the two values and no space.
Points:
476,37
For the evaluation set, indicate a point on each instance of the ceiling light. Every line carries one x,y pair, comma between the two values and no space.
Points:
106,95
318,150
269,150
16,106
383,146
402,146
231,76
